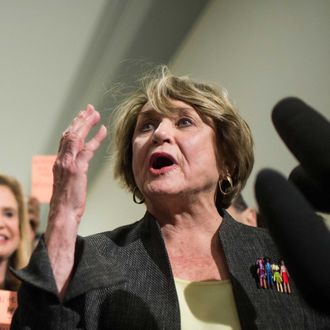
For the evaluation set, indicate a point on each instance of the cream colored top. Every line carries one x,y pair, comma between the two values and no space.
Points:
207,305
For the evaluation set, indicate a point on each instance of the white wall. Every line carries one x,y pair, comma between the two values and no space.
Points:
42,46
57,56
260,51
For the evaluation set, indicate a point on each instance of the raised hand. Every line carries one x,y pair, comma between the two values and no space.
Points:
69,192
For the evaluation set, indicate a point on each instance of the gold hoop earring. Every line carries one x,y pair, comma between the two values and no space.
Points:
226,186
136,200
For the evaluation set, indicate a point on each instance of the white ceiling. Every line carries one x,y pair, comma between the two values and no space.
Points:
57,56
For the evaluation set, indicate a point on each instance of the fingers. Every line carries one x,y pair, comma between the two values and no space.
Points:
87,153
73,145
74,136
84,121
96,141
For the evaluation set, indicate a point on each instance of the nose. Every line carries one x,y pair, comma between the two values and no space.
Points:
163,133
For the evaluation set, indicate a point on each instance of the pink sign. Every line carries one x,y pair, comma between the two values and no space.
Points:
8,304
42,177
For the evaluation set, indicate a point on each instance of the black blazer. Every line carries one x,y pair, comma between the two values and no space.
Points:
122,279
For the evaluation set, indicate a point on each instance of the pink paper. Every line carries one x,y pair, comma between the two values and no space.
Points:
42,177
8,304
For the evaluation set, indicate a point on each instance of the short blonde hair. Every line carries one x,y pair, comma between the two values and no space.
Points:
233,135
22,254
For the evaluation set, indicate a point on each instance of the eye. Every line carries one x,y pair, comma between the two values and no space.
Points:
9,214
184,122
147,126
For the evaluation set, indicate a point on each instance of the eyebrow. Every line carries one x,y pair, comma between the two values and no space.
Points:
9,208
151,112
147,113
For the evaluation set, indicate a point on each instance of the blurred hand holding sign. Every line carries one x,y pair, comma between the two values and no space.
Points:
42,177
8,304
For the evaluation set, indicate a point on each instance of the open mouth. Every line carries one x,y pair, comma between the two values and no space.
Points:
161,160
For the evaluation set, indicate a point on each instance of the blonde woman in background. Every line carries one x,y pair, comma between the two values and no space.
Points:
15,247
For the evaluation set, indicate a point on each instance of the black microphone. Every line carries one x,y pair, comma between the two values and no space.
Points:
316,194
301,236
307,134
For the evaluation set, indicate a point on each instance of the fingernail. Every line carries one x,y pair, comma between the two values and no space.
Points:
90,108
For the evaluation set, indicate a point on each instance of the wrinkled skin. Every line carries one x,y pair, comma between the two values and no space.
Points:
69,192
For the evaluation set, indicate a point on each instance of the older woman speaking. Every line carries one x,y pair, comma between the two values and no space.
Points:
182,149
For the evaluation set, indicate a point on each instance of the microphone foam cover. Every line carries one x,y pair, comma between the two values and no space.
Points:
317,195
307,135
301,236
